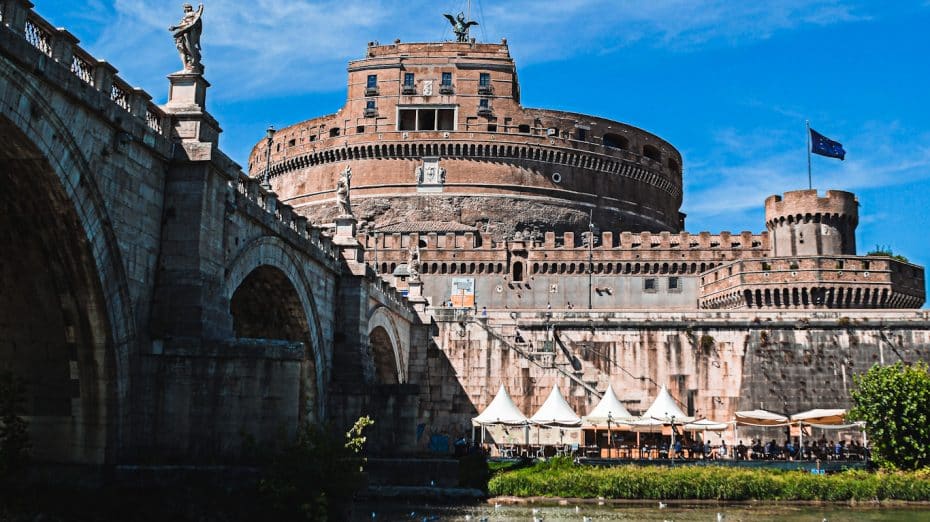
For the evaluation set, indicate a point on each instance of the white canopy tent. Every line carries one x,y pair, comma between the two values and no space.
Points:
555,411
821,416
825,419
665,409
706,425
760,418
608,410
501,411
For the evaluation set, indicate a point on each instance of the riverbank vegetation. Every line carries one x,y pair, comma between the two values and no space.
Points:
562,478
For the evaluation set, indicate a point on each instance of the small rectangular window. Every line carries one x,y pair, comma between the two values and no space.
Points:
372,81
650,284
673,284
360,129
483,103
523,129
581,134
484,80
408,79
446,78
291,143
334,132
370,104
312,137
492,127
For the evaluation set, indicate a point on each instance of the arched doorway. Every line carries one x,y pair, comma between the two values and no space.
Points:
54,324
382,351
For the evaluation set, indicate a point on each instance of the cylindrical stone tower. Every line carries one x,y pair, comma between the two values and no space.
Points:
802,224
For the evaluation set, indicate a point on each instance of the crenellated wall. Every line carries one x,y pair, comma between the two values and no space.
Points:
802,223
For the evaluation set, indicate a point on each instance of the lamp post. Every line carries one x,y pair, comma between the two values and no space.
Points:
591,260
609,441
266,178
671,447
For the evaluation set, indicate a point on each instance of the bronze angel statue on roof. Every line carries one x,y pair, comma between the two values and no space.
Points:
460,26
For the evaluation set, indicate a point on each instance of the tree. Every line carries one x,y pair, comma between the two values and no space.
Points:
14,437
894,402
316,477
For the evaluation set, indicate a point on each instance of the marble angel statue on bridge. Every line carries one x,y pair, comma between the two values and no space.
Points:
343,185
187,38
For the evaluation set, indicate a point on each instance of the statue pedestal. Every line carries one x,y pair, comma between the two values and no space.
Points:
345,227
415,295
187,105
351,249
187,90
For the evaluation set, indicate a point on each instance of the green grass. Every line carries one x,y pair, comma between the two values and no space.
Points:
560,478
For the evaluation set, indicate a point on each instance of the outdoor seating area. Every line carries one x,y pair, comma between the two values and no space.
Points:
664,432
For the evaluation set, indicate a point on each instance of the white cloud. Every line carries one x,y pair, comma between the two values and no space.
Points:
271,47
754,165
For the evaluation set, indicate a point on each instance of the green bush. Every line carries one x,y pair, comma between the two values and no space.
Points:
708,483
316,477
894,402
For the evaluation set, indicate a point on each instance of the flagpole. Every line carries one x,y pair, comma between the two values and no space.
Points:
810,184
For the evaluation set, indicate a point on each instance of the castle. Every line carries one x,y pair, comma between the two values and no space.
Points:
402,258
551,249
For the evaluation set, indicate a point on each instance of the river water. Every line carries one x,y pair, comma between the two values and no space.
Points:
644,512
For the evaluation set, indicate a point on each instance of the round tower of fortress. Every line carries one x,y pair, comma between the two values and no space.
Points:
800,223
434,132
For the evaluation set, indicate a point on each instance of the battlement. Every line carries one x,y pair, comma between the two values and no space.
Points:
800,205
435,50
569,241
814,282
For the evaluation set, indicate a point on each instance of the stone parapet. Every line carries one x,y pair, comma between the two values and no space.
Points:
814,282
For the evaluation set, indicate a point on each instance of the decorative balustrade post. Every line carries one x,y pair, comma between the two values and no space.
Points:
63,43
104,73
301,223
139,102
15,13
271,202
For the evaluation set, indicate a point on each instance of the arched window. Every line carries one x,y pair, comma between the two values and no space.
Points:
652,152
616,141
518,271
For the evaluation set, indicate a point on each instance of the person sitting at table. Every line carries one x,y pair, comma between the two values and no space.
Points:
741,451
722,450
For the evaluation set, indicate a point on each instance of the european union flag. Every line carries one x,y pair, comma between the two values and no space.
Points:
824,146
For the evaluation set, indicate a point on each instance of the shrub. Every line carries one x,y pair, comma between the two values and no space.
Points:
894,402
317,476
708,483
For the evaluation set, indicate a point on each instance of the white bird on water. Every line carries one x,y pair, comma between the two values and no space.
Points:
578,509
586,519
719,517
662,505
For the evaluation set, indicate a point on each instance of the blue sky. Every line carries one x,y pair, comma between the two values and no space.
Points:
728,83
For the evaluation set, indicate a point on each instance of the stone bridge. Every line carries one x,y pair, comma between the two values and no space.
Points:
159,304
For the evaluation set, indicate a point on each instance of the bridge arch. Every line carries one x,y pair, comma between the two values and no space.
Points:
269,295
57,237
387,349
